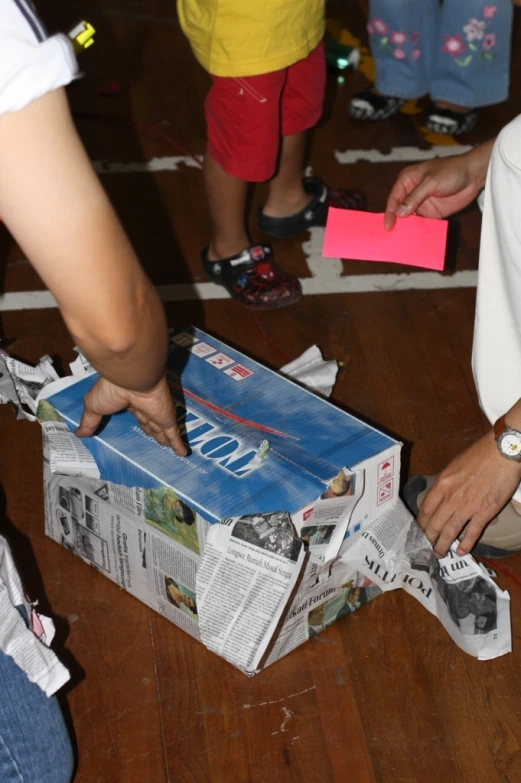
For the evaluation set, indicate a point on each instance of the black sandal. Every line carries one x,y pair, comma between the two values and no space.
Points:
315,213
367,105
254,279
449,123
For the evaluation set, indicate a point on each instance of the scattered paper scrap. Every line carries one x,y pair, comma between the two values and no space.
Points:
20,383
312,372
414,241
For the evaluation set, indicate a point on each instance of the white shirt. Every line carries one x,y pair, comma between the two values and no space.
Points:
31,65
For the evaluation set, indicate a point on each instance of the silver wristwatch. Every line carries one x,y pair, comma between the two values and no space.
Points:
508,440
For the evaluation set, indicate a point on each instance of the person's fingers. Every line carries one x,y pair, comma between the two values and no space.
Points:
154,426
449,533
139,416
160,437
165,436
169,436
472,534
89,423
412,202
158,433
424,189
390,217
396,197
428,509
432,533
144,424
433,523
176,442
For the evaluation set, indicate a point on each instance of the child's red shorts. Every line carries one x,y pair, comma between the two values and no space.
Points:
246,117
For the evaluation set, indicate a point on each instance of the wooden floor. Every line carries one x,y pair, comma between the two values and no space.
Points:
383,696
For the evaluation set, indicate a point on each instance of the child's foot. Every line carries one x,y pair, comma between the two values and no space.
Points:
315,211
253,279
372,105
449,119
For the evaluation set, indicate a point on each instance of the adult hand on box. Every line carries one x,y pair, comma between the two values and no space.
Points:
154,410
438,188
472,489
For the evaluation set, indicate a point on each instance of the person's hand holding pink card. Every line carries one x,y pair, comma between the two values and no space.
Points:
414,241
413,230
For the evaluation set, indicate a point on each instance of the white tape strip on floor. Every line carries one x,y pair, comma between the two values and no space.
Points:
323,284
397,154
326,278
167,163
400,154
27,300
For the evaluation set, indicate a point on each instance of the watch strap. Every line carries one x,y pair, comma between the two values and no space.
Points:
499,427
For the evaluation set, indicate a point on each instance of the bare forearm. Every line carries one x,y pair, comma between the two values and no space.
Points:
133,356
120,324
52,202
479,159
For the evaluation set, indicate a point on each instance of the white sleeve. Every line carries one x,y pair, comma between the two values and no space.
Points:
31,63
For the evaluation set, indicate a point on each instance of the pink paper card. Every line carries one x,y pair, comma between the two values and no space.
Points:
414,241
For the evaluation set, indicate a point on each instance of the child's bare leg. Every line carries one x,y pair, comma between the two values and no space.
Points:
287,195
227,203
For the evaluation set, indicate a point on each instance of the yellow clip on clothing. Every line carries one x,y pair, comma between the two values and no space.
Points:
251,37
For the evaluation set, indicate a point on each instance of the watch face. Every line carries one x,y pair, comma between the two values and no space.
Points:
511,445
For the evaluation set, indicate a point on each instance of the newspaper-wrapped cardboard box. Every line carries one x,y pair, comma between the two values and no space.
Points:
284,518
259,444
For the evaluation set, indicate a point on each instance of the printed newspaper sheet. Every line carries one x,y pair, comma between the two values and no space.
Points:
394,553
146,541
389,553
248,573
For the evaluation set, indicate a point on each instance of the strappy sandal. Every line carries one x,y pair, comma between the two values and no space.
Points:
253,278
367,105
449,123
314,213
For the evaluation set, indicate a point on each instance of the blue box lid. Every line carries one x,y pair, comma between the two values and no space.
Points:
230,405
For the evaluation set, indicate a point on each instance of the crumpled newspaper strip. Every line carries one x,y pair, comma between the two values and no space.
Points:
313,372
20,384
258,597
17,640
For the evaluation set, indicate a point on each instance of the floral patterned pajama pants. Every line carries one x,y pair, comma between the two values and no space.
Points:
458,51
